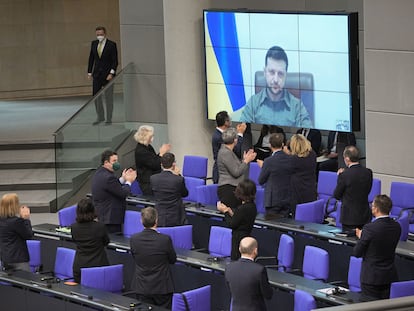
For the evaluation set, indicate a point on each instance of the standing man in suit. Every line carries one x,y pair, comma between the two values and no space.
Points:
275,174
169,189
223,122
109,192
103,60
247,280
376,246
353,187
153,253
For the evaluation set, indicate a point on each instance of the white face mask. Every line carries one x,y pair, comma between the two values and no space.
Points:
100,38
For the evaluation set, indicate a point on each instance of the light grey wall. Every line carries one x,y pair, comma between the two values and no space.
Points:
389,73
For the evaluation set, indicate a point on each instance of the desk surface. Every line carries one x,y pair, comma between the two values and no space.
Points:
77,293
284,281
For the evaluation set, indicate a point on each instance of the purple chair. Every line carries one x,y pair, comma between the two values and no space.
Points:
67,216
354,272
311,211
404,221
260,200
285,253
64,263
207,194
192,183
135,188
198,299
402,196
132,223
33,246
326,186
254,172
304,301
195,166
375,190
402,289
315,263
108,278
219,244
181,236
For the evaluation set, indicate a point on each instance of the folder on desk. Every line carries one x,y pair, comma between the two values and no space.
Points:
345,233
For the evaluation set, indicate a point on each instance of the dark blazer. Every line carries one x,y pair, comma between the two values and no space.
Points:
248,284
14,231
101,67
241,224
153,253
315,138
303,180
108,196
377,248
348,139
169,189
148,163
216,142
352,188
276,174
90,239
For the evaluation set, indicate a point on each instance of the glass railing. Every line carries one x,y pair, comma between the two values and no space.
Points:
80,142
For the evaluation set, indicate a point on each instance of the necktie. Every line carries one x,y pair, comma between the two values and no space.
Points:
100,49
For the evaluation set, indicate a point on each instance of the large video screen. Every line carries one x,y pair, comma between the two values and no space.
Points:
285,69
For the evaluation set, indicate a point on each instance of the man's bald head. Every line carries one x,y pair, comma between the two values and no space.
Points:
248,247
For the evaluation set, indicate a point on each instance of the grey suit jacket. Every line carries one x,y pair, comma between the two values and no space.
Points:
231,169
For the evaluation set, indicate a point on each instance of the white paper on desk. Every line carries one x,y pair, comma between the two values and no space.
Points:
329,290
322,158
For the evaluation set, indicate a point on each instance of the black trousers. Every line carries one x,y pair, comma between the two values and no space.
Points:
370,291
98,83
162,300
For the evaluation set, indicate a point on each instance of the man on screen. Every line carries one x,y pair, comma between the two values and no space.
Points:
274,104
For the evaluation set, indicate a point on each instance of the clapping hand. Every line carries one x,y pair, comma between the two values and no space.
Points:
249,156
129,174
24,212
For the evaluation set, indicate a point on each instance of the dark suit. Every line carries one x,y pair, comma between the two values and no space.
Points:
90,239
343,139
216,142
108,196
314,136
100,68
153,253
248,284
353,187
276,174
303,181
377,248
169,189
147,163
241,224
14,231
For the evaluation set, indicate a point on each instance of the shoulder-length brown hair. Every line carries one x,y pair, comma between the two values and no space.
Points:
9,206
300,146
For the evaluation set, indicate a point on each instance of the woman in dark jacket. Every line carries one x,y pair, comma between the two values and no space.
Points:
303,180
15,229
241,219
147,162
90,238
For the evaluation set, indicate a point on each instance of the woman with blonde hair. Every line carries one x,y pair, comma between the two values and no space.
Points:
15,229
146,160
303,180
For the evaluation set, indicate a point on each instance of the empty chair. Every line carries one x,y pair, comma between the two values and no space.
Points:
135,188
64,263
354,272
315,263
219,244
404,221
260,200
285,253
311,211
198,299
108,278
181,236
375,190
402,289
207,194
67,216
132,223
34,249
195,166
326,186
192,183
304,301
254,172
402,197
